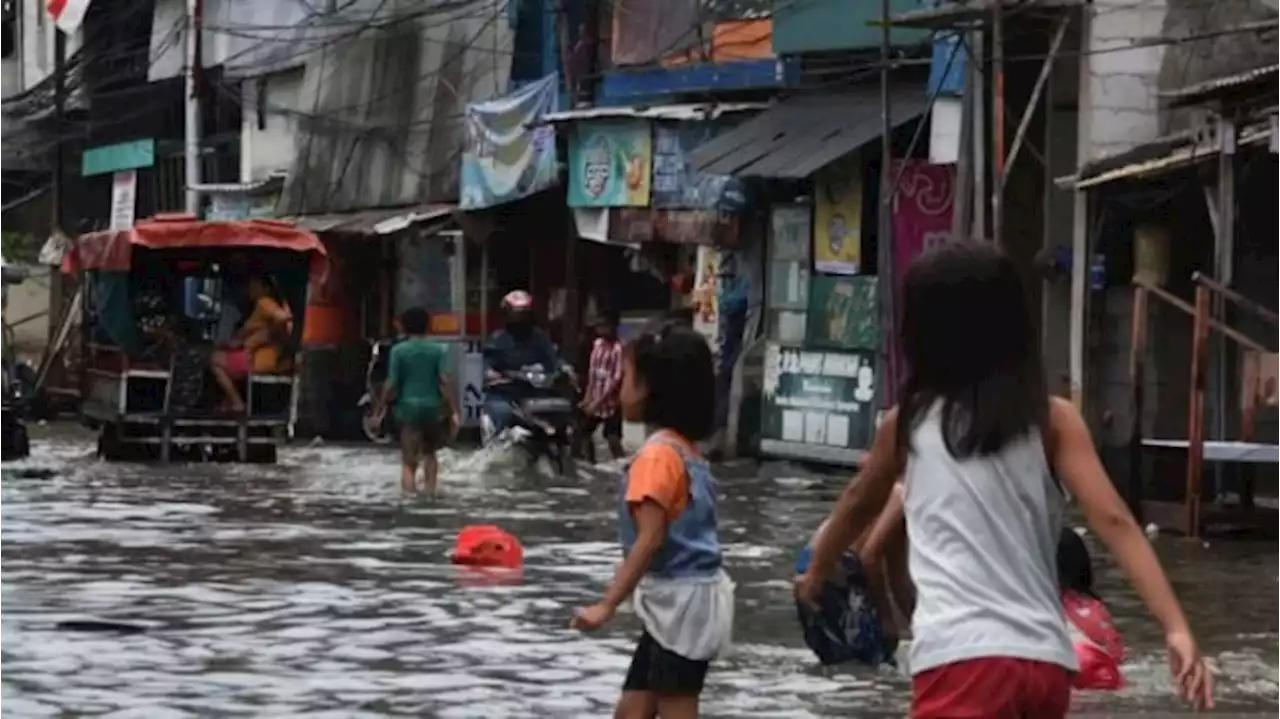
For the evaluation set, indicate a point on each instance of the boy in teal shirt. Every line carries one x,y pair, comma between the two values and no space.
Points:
424,400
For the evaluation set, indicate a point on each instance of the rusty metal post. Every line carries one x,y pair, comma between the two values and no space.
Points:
1137,382
1195,418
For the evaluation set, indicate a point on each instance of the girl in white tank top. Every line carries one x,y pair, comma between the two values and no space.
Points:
980,442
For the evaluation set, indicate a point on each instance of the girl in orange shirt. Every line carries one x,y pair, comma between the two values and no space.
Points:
672,564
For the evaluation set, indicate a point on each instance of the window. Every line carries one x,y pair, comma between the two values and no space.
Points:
788,281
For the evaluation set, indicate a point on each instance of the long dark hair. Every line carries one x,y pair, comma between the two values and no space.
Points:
677,370
1075,565
970,343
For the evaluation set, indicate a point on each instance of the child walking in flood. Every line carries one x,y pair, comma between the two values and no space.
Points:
672,566
982,447
423,398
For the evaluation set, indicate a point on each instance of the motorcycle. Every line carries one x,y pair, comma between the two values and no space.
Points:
542,417
380,430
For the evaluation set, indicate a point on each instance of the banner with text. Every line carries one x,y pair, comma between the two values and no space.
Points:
818,406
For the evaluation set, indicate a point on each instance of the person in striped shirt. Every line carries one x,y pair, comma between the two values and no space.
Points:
599,403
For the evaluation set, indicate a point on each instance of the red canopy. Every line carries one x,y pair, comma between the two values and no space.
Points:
113,249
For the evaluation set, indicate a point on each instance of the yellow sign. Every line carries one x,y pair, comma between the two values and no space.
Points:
837,226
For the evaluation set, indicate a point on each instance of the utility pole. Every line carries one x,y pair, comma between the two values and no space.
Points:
569,340
997,122
56,177
191,138
884,216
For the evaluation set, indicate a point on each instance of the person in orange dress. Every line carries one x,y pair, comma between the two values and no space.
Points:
257,346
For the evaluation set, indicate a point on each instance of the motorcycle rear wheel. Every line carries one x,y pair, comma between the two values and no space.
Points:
376,432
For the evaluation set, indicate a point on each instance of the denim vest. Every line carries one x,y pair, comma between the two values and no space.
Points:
692,546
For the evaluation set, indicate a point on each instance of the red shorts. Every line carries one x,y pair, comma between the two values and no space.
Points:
238,363
992,688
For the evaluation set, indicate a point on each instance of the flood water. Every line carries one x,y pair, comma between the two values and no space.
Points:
311,588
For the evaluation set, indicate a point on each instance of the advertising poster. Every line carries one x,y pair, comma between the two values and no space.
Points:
844,312
706,301
837,215
610,164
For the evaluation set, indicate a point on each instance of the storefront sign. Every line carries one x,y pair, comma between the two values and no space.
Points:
114,158
818,406
508,154
124,199
469,379
683,227
676,185
837,231
610,164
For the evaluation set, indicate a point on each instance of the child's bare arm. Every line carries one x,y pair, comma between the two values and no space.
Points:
1076,462
882,552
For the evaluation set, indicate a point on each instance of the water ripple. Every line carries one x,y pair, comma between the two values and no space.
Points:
312,588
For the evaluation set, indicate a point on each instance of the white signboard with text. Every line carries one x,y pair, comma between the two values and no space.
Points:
124,199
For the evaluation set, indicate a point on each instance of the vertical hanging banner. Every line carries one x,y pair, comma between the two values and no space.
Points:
610,164
922,209
67,15
508,153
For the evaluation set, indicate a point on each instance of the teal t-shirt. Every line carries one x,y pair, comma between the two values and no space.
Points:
415,368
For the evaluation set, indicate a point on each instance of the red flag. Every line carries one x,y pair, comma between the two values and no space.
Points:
67,14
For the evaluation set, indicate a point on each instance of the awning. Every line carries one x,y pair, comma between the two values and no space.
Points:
113,249
683,111
803,134
1158,157
383,221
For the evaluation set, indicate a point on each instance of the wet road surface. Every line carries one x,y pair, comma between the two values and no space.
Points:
310,588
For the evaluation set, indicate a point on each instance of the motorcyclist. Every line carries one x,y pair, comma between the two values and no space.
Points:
518,344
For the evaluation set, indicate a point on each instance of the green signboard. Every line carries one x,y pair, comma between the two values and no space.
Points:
818,405
123,156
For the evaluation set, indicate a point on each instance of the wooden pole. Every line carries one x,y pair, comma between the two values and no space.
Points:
570,340
1195,415
1137,389
884,216
57,282
997,122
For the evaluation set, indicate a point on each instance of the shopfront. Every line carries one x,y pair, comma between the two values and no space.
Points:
823,373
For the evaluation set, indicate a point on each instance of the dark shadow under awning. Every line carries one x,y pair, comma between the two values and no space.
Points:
802,134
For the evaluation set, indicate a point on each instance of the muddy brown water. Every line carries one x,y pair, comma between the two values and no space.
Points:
312,589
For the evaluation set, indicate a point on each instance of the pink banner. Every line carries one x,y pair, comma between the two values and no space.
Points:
922,209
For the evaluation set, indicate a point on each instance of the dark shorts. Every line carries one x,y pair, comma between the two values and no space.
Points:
662,671
419,438
612,425
845,626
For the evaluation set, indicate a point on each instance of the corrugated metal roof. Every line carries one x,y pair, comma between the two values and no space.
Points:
804,133
383,221
688,111
1157,157
1259,78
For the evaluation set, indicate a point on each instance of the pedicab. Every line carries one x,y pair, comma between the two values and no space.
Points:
162,311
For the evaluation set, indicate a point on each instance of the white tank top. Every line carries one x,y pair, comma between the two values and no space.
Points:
983,536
